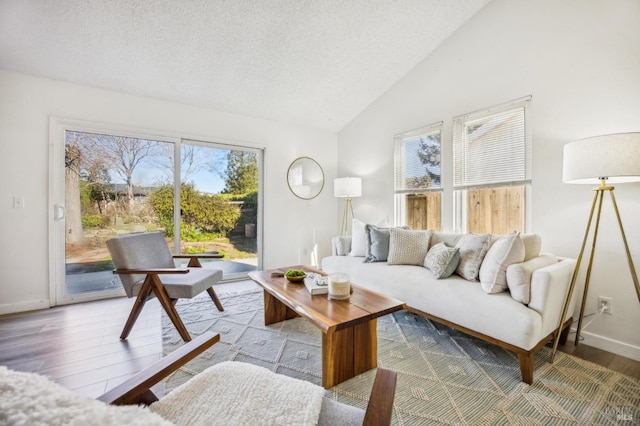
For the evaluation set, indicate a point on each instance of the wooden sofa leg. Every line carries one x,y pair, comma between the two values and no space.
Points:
526,367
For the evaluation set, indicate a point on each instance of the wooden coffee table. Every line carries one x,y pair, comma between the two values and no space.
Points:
349,335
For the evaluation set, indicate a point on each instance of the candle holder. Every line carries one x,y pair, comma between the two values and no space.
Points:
339,286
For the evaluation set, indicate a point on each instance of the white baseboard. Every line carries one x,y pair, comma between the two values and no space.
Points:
614,346
29,305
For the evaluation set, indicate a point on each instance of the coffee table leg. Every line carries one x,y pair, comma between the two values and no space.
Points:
276,311
349,352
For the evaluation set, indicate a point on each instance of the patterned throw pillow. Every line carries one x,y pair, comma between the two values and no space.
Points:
442,260
473,248
408,247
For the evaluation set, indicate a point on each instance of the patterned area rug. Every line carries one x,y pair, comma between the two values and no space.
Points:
444,377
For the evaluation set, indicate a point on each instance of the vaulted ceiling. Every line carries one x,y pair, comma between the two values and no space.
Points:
315,63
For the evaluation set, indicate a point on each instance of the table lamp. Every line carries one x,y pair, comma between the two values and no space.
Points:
348,188
599,160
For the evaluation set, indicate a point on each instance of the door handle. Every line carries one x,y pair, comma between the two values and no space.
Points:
58,212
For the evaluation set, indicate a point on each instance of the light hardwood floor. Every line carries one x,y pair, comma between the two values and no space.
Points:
78,345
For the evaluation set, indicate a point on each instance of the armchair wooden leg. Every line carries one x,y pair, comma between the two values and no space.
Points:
141,299
215,299
169,307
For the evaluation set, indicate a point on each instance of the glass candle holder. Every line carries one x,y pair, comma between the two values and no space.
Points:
339,286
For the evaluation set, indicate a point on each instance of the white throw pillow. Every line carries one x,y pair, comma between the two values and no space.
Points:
408,247
509,249
519,276
358,238
473,248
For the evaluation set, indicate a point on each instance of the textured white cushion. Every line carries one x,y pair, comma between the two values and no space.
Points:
32,399
237,393
473,248
442,260
358,238
519,276
509,249
408,247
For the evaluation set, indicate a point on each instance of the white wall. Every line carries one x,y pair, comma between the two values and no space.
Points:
580,60
26,103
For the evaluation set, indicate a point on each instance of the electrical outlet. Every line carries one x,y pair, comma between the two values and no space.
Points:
606,302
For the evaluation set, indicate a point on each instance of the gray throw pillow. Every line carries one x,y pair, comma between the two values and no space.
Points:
473,248
408,247
442,260
377,243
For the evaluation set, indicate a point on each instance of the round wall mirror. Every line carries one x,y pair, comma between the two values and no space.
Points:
305,178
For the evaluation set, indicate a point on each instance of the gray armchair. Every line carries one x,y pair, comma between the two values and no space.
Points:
146,269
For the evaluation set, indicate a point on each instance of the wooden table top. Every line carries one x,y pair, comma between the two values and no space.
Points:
328,315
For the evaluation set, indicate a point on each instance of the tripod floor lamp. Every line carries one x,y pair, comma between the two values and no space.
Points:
602,159
347,188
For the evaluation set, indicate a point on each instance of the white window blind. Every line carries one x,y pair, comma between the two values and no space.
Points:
492,147
417,156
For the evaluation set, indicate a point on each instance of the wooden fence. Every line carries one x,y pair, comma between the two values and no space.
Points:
496,210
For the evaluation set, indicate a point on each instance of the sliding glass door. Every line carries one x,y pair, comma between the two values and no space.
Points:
109,183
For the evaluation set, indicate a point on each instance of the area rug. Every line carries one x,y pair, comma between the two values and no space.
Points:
444,376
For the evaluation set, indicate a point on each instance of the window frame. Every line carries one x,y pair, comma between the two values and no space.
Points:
461,186
402,192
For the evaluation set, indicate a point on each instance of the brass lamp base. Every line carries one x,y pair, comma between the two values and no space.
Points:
348,207
597,199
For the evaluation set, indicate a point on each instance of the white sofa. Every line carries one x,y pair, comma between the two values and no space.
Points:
463,305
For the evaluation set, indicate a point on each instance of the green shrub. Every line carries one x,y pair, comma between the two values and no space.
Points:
92,221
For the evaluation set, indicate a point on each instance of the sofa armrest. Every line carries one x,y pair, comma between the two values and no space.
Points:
341,246
549,288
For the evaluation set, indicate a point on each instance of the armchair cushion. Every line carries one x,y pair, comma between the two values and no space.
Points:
32,399
185,286
239,393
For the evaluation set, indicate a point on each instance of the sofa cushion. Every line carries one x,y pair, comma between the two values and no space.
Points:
473,248
519,276
407,247
358,238
509,249
442,260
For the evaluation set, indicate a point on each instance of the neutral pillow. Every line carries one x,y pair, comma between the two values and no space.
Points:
532,245
377,243
442,260
509,249
473,248
519,276
358,238
341,245
407,247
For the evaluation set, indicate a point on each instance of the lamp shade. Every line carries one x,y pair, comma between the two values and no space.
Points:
615,157
347,187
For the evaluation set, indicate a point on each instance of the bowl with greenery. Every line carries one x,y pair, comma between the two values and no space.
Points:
295,275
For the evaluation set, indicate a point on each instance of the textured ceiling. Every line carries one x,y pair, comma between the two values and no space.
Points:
311,62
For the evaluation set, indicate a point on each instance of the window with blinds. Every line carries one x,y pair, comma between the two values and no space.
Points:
417,159
492,146
492,168
417,180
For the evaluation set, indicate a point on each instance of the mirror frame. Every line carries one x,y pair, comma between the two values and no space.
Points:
289,175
